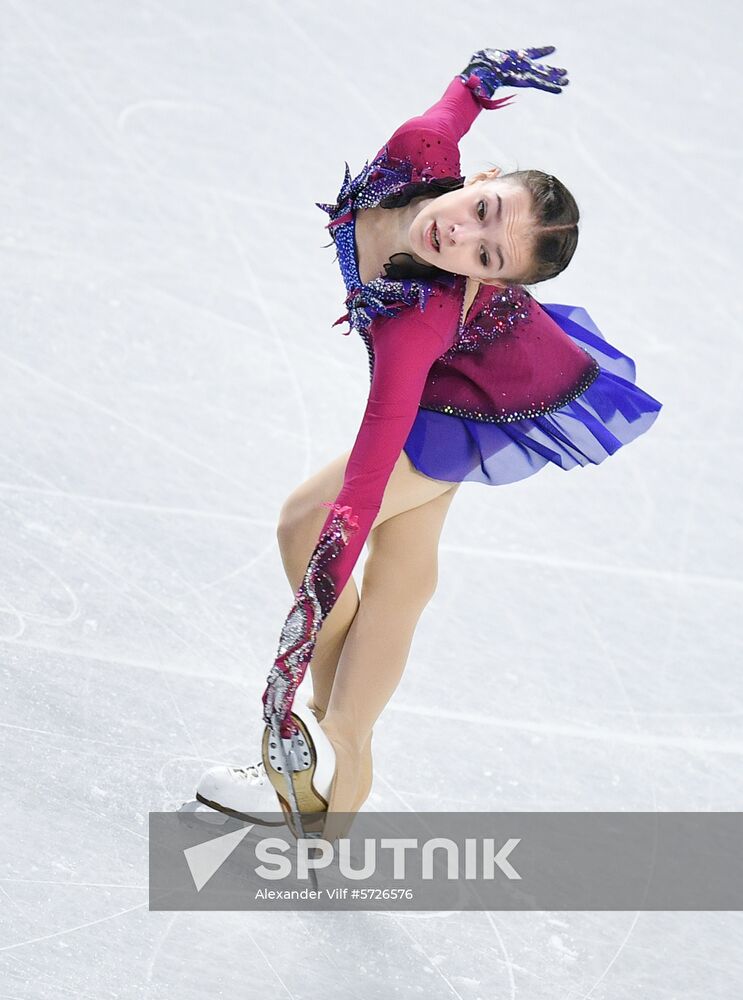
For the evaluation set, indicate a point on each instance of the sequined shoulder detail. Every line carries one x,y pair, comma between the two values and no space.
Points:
500,312
382,296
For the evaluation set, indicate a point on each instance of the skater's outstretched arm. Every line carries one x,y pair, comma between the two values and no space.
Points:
469,92
405,346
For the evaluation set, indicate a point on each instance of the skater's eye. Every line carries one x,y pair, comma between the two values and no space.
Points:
481,209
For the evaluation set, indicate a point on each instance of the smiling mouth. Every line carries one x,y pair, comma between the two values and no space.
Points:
435,238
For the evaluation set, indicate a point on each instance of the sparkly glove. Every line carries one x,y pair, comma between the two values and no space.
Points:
489,69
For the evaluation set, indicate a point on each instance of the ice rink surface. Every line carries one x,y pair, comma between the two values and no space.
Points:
170,373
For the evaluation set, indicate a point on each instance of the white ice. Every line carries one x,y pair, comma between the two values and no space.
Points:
170,374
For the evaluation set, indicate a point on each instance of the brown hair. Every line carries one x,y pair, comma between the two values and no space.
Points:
555,235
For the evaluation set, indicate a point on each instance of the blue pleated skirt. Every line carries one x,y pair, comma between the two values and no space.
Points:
612,412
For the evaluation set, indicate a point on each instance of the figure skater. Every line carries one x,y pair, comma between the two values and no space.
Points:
472,380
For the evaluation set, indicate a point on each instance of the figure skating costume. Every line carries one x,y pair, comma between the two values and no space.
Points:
491,397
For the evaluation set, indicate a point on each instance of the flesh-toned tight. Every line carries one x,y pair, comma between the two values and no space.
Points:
363,645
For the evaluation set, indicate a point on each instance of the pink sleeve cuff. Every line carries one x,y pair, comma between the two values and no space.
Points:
475,85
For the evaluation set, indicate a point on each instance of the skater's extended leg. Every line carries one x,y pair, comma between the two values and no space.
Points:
400,577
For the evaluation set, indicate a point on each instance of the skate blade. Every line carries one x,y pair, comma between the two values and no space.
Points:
312,805
197,812
313,823
224,812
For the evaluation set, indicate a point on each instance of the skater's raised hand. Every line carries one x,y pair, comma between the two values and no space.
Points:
514,68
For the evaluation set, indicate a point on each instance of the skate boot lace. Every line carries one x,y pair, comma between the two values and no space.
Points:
255,773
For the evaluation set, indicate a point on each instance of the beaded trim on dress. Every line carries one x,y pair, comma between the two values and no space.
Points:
383,296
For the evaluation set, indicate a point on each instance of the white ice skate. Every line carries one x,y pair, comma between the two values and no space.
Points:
242,792
311,757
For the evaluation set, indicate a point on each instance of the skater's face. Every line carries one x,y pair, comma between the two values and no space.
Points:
485,230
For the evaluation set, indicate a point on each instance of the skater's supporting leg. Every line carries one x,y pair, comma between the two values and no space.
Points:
400,577
300,521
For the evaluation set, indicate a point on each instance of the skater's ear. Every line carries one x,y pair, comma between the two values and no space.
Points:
484,175
493,281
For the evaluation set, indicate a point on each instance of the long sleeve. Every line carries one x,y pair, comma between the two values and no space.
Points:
405,348
431,140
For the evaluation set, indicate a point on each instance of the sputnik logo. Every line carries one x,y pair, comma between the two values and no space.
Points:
205,859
